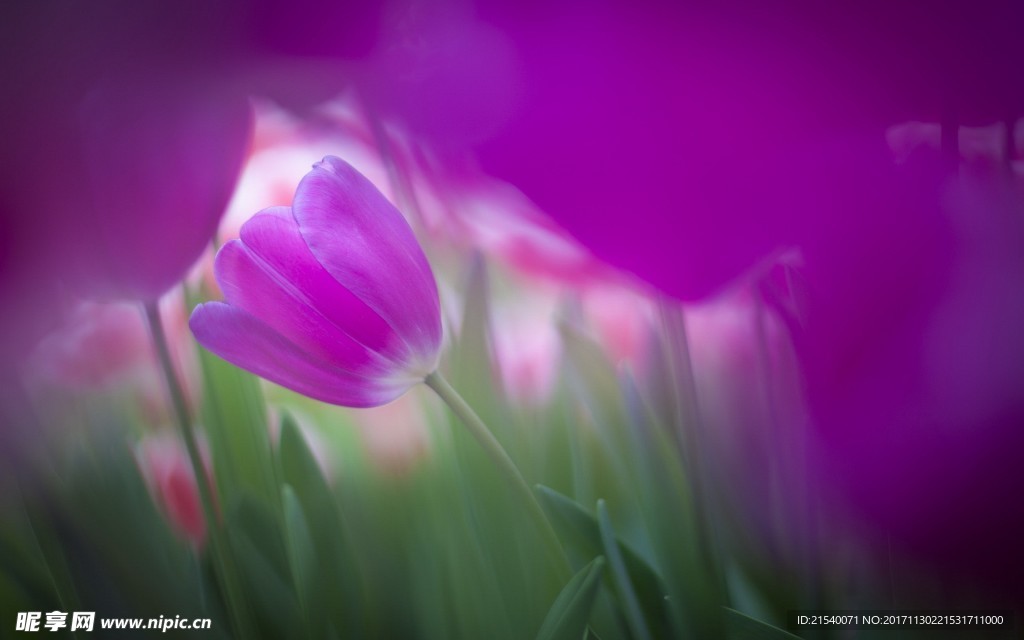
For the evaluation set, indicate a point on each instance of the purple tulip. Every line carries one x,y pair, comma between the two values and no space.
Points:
332,298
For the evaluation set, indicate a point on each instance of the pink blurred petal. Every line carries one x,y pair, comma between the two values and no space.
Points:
168,473
396,435
284,147
106,348
527,348
497,218
95,348
621,317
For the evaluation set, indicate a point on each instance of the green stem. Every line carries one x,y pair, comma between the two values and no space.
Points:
226,571
505,465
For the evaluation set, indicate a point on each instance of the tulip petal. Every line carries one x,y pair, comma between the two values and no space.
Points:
252,285
273,237
363,241
247,342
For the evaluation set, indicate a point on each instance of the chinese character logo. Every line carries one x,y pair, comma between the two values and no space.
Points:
83,620
28,621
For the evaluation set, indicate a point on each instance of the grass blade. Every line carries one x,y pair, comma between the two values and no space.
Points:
567,619
623,587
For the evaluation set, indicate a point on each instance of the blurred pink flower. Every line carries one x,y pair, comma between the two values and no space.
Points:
332,298
100,345
284,145
621,316
106,347
496,218
168,473
396,435
747,385
527,347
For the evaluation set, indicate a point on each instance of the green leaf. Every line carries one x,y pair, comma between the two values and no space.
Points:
590,362
336,590
263,566
235,419
260,525
580,531
623,586
596,381
20,558
740,626
604,458
110,526
300,544
567,618
13,598
301,472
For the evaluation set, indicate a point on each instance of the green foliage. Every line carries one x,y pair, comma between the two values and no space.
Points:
440,550
584,535
323,562
235,421
568,617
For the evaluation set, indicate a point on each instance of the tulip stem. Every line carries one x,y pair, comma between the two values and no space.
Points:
504,464
222,559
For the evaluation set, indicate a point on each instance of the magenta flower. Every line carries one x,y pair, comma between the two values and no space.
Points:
332,298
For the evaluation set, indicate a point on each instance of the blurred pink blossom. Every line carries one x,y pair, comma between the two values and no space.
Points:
527,347
751,418
284,146
396,435
106,347
621,314
165,466
495,218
